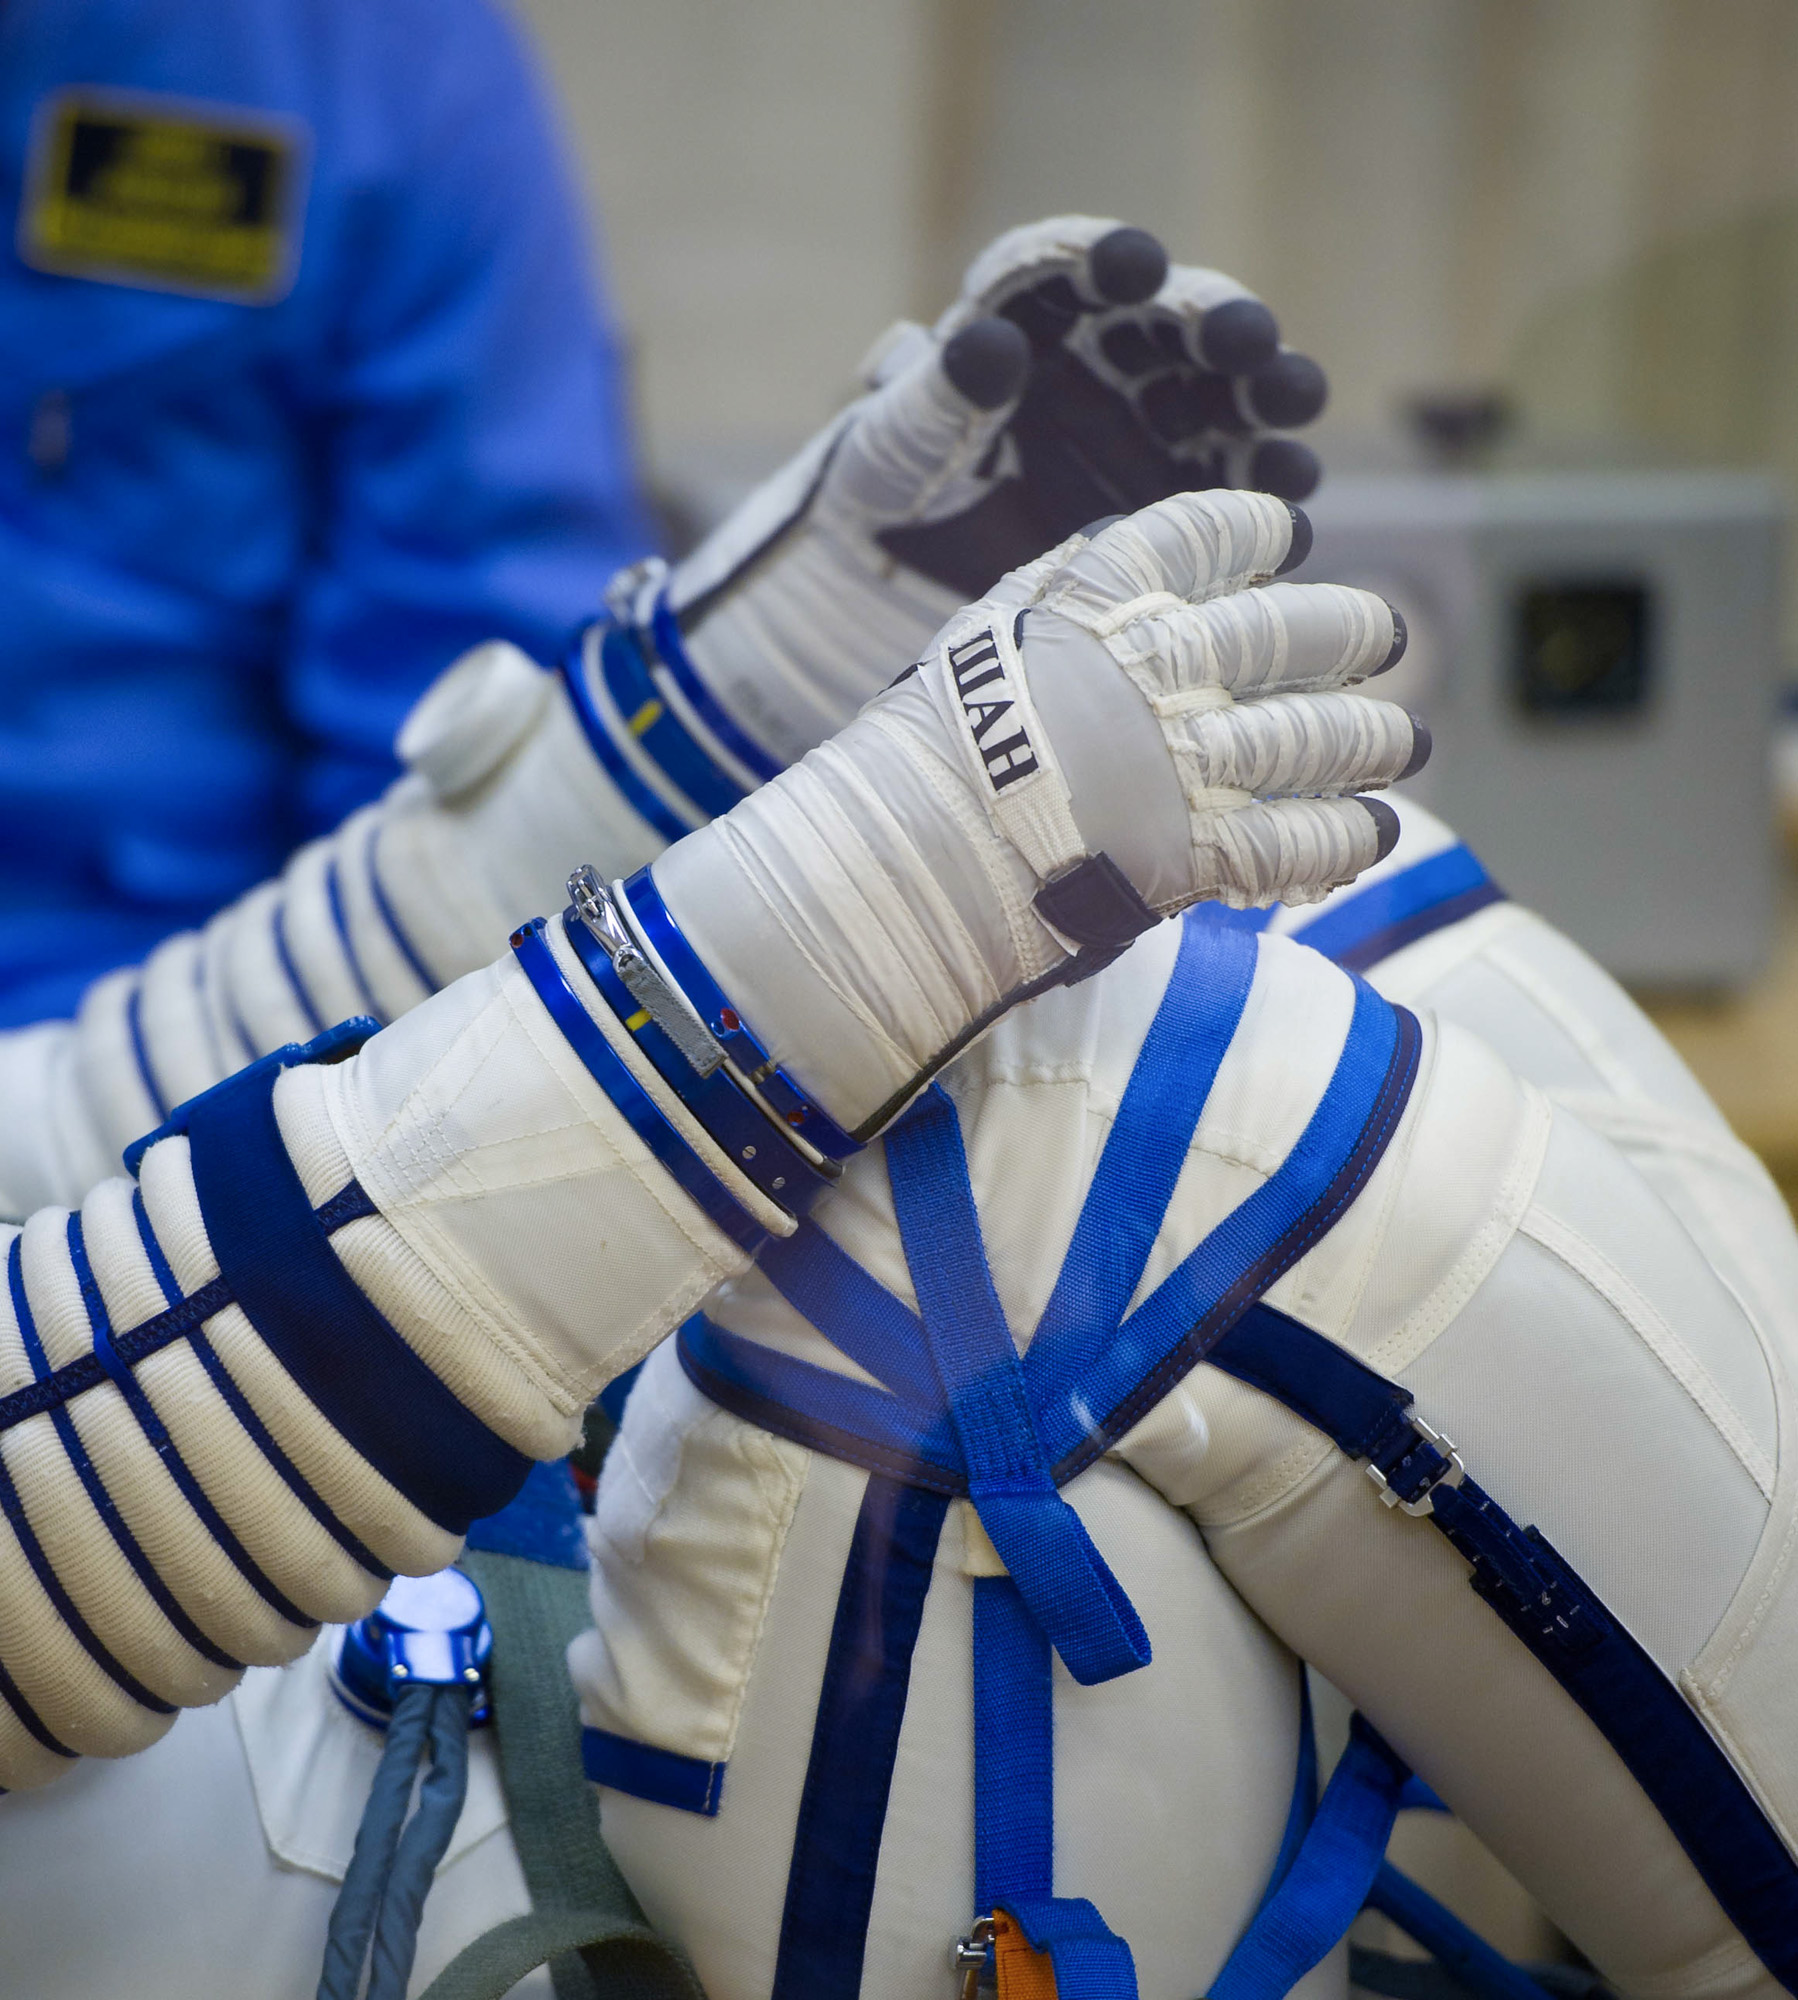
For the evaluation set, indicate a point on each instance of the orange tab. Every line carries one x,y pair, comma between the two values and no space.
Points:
1023,1974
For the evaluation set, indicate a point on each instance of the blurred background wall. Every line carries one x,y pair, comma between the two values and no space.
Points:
1590,203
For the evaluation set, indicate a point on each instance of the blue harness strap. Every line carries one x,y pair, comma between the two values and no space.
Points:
1359,930
855,1740
1554,1612
962,1413
1044,1544
1326,1883
1462,1953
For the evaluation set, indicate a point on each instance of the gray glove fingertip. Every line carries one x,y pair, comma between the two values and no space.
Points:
1126,266
1385,821
1287,391
1237,336
1285,468
987,362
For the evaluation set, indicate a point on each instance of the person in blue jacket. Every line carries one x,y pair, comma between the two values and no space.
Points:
304,387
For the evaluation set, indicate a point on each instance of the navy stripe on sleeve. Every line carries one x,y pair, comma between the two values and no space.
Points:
274,1255
243,1410
92,1484
153,1428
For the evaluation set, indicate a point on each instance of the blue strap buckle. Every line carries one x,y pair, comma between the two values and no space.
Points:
332,1046
1427,1460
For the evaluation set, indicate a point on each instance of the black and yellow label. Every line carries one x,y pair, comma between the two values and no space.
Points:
164,193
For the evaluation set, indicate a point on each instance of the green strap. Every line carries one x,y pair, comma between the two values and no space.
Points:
623,1961
584,1921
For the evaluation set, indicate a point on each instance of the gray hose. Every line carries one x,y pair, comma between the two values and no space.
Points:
391,1868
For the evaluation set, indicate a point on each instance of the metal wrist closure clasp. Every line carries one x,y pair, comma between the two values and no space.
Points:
594,905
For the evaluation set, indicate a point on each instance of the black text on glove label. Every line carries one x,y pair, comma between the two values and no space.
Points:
1004,747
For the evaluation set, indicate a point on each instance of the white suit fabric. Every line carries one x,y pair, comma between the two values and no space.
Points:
1560,1020
209,1865
1504,1262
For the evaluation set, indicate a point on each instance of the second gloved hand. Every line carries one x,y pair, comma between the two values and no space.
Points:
1126,726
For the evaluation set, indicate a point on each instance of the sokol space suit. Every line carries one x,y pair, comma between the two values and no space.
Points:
1483,1219
1363,1191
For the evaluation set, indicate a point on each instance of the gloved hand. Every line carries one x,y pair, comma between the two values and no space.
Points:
1122,728
1054,390
1076,376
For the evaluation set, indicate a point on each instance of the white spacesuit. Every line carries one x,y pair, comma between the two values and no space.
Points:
517,771
420,1261
399,1372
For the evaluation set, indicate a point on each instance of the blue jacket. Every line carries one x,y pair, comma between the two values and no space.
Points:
303,388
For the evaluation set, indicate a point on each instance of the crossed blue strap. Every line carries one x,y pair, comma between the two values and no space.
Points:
1060,1574
960,1412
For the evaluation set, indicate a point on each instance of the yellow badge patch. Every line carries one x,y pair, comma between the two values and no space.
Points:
164,193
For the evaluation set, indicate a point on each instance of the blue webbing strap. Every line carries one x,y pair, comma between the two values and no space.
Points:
275,1255
1462,1953
1327,1883
1359,929
1043,1543
1014,1802
849,1778
1088,1392
1149,1139
822,1409
1014,1749
1303,1809
1542,1599
664,1777
855,1312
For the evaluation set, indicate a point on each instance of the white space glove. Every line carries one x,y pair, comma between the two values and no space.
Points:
1076,377
350,1299
1126,726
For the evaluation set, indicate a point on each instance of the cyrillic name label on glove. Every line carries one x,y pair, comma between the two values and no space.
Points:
1026,795
976,665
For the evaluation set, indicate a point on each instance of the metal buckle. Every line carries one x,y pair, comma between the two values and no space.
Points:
1451,1474
968,1956
594,906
